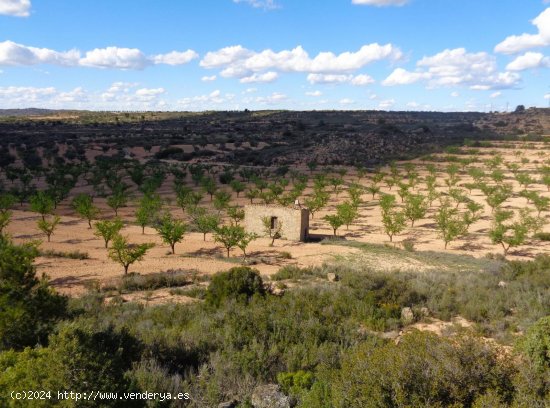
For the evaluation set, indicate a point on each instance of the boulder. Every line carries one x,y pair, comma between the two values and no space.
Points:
407,315
270,396
332,277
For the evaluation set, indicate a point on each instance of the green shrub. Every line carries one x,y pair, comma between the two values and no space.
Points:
292,272
50,253
240,283
542,236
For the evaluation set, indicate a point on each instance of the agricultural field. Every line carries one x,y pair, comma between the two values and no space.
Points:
445,252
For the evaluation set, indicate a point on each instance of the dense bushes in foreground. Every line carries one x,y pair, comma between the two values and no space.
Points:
315,341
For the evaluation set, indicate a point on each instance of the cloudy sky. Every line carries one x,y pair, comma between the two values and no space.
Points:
444,55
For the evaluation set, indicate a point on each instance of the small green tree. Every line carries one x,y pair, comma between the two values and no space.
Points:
245,240
42,203
48,226
5,219
251,194
334,221
84,206
393,220
182,195
221,200
118,200
229,236
508,233
207,223
473,213
209,186
29,307
416,207
272,229
236,214
7,201
171,231
347,212
449,223
148,210
316,202
355,191
237,186
108,229
125,253
541,203
373,189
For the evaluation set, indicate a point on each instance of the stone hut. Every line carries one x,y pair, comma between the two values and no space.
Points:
295,220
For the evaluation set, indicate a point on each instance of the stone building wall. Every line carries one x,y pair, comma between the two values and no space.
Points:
295,220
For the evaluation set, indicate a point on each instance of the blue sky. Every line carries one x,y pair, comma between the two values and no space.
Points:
443,55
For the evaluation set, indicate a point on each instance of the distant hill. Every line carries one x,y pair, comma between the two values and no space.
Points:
27,112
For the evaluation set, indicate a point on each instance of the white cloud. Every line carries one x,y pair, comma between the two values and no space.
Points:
76,95
24,96
264,4
547,96
147,92
273,99
205,102
250,90
239,62
455,94
329,79
401,76
456,67
386,104
175,57
517,43
495,94
346,101
362,79
16,8
358,80
208,78
115,57
380,3
529,60
14,54
119,96
224,56
314,93
256,78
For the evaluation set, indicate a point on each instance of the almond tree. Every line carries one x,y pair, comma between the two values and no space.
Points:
335,222
125,253
171,230
42,203
48,226
245,240
393,220
6,202
237,186
275,232
206,223
229,236
84,206
449,223
416,207
108,229
148,209
347,212
507,233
